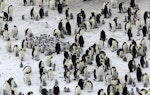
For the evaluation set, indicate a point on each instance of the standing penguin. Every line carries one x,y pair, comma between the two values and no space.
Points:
58,48
41,12
132,3
114,3
35,52
129,34
6,88
112,26
16,50
67,13
89,86
21,54
32,13
81,41
10,11
83,14
121,7
79,19
139,73
103,35
59,7
146,15
131,65
145,80
81,83
15,32
144,31
8,46
2,5
52,4
50,74
77,90
68,27
56,90
125,90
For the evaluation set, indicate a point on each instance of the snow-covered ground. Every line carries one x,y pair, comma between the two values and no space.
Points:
10,65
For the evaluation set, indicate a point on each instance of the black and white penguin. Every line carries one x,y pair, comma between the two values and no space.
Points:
114,72
44,91
43,79
129,34
15,32
35,52
21,54
108,78
144,31
125,90
81,41
127,26
120,53
113,44
101,92
5,15
112,26
6,88
58,48
68,27
41,12
145,16
24,2
40,3
32,13
143,62
77,90
30,93
139,73
102,35
48,59
27,79
10,12
57,33
8,46
79,19
130,11
137,13
89,86
114,3
16,50
128,79
106,10
131,65
138,25
99,19
56,90
50,74
59,7
27,70
67,13
148,22
77,74
81,83
61,27
83,14
132,3
125,47
87,26
145,79
121,7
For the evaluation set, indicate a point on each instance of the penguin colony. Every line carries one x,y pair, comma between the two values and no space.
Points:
77,61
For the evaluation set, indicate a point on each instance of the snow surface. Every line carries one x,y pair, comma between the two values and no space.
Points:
9,64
